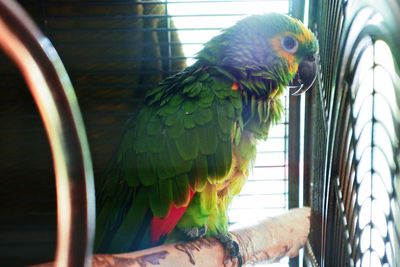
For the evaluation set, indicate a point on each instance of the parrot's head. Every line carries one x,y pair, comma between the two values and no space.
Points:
275,45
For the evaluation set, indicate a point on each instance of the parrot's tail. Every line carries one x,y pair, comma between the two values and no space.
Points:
161,227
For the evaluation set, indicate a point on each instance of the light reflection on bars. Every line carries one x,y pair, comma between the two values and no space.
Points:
374,109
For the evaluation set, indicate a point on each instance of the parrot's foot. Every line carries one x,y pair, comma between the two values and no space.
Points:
195,232
232,247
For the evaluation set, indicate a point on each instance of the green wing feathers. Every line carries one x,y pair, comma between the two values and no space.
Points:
189,136
181,140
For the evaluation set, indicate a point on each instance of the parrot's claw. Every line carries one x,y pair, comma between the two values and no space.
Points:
195,232
231,246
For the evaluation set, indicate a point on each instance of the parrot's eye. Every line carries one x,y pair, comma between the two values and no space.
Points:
290,44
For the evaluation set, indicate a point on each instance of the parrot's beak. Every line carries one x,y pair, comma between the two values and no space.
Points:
305,76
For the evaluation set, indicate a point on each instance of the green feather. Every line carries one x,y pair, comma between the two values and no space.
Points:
220,163
180,190
140,146
199,173
146,168
221,88
236,101
238,135
180,165
153,127
105,220
160,197
253,105
129,229
129,170
217,71
175,101
193,89
203,76
188,144
247,147
155,91
141,121
208,139
176,130
260,111
225,114
171,120
258,83
229,110
208,198
212,169
206,98
226,137
168,110
265,111
188,80
165,167
188,121
154,144
189,107
202,116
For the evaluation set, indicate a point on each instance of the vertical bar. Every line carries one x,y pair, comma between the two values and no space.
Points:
169,38
294,150
296,9
294,158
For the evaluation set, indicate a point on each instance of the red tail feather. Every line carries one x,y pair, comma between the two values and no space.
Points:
163,226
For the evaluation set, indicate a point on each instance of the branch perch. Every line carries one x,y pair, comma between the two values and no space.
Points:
267,241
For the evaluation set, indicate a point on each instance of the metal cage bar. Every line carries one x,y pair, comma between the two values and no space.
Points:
353,138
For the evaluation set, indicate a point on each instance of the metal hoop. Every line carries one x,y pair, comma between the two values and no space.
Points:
54,96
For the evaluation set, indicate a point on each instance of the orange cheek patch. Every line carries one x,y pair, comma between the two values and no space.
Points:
290,58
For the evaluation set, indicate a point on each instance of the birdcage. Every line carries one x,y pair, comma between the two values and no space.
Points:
336,150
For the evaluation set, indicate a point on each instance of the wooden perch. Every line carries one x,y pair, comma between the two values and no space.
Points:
267,241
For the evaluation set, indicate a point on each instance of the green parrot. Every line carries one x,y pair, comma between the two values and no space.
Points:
189,149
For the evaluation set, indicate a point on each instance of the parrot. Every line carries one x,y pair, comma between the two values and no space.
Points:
189,149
